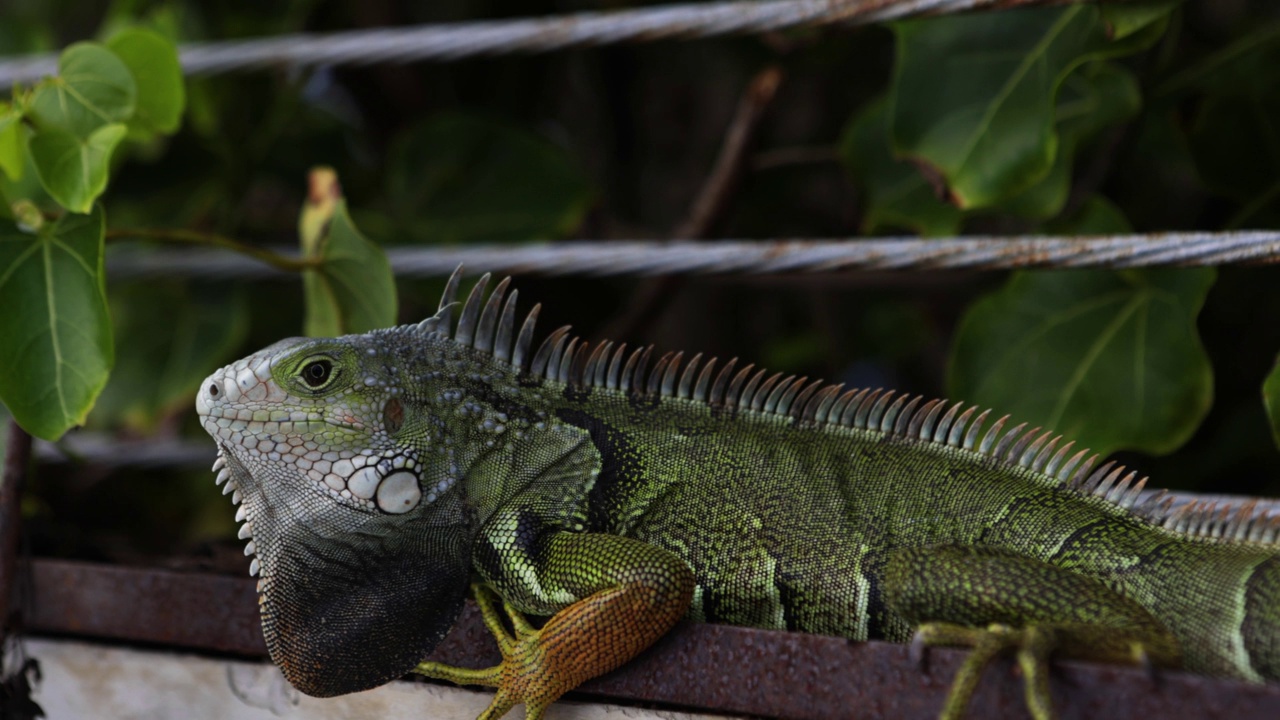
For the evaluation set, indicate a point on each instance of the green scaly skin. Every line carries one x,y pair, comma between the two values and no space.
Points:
381,474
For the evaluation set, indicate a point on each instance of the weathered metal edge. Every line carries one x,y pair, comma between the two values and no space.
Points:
730,669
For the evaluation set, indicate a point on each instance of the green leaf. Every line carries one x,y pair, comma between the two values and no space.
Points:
1110,359
74,171
157,373
4,439
1091,99
1235,135
153,62
465,178
353,290
1128,18
27,185
1271,400
11,142
55,334
1097,216
93,88
896,194
973,96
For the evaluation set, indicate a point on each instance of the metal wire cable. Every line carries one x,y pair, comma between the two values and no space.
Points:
451,41
676,257
105,450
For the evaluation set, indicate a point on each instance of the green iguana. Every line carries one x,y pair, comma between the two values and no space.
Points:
382,476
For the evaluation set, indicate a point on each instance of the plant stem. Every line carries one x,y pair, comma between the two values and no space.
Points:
194,237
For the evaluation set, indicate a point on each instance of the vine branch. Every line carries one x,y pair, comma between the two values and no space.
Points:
195,237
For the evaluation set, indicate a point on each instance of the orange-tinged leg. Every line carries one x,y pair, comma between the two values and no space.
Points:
590,637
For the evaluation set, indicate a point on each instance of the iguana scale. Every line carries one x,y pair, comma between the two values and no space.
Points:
382,476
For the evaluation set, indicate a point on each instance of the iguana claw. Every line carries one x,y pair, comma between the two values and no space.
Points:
1033,645
521,677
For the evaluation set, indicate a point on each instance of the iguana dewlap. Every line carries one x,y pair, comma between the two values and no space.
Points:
380,475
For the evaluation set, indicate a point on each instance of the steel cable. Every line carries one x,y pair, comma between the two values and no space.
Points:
452,41
674,257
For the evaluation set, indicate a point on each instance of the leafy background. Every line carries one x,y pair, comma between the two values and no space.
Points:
1078,119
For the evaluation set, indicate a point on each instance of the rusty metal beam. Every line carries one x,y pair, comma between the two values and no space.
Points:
13,475
187,610
730,669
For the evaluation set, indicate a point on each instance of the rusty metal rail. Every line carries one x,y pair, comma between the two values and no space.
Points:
15,449
730,669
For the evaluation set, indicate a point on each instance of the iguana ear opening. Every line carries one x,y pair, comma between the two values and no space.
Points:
342,622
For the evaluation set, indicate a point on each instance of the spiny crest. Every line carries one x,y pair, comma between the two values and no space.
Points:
489,326
1207,518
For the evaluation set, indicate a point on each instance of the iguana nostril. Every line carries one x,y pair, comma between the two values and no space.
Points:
213,389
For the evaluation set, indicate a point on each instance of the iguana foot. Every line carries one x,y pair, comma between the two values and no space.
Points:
1032,644
588,638
517,677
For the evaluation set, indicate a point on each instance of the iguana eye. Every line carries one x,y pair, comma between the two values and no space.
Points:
317,373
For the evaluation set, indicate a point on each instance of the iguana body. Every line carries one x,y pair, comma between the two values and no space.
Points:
382,473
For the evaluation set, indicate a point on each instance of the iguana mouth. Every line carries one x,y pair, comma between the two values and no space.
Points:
229,470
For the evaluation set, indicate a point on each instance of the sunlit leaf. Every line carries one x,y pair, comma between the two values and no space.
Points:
323,194
72,169
466,178
27,185
1111,359
153,62
353,290
11,142
973,96
93,88
55,334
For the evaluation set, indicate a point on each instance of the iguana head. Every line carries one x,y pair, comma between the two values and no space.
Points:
335,452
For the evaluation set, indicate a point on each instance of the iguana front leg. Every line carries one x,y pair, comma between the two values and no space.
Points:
619,595
996,601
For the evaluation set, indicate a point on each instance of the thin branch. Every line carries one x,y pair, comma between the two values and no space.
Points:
799,155
194,237
709,206
717,190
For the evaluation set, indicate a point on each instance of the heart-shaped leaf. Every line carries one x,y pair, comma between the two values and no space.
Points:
72,169
1110,359
55,334
1091,99
974,95
153,62
897,195
353,290
93,88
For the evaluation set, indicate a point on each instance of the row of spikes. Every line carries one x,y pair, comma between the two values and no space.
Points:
489,326
1204,518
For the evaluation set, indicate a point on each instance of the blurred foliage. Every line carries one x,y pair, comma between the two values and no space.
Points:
460,178
973,98
1083,118
351,290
